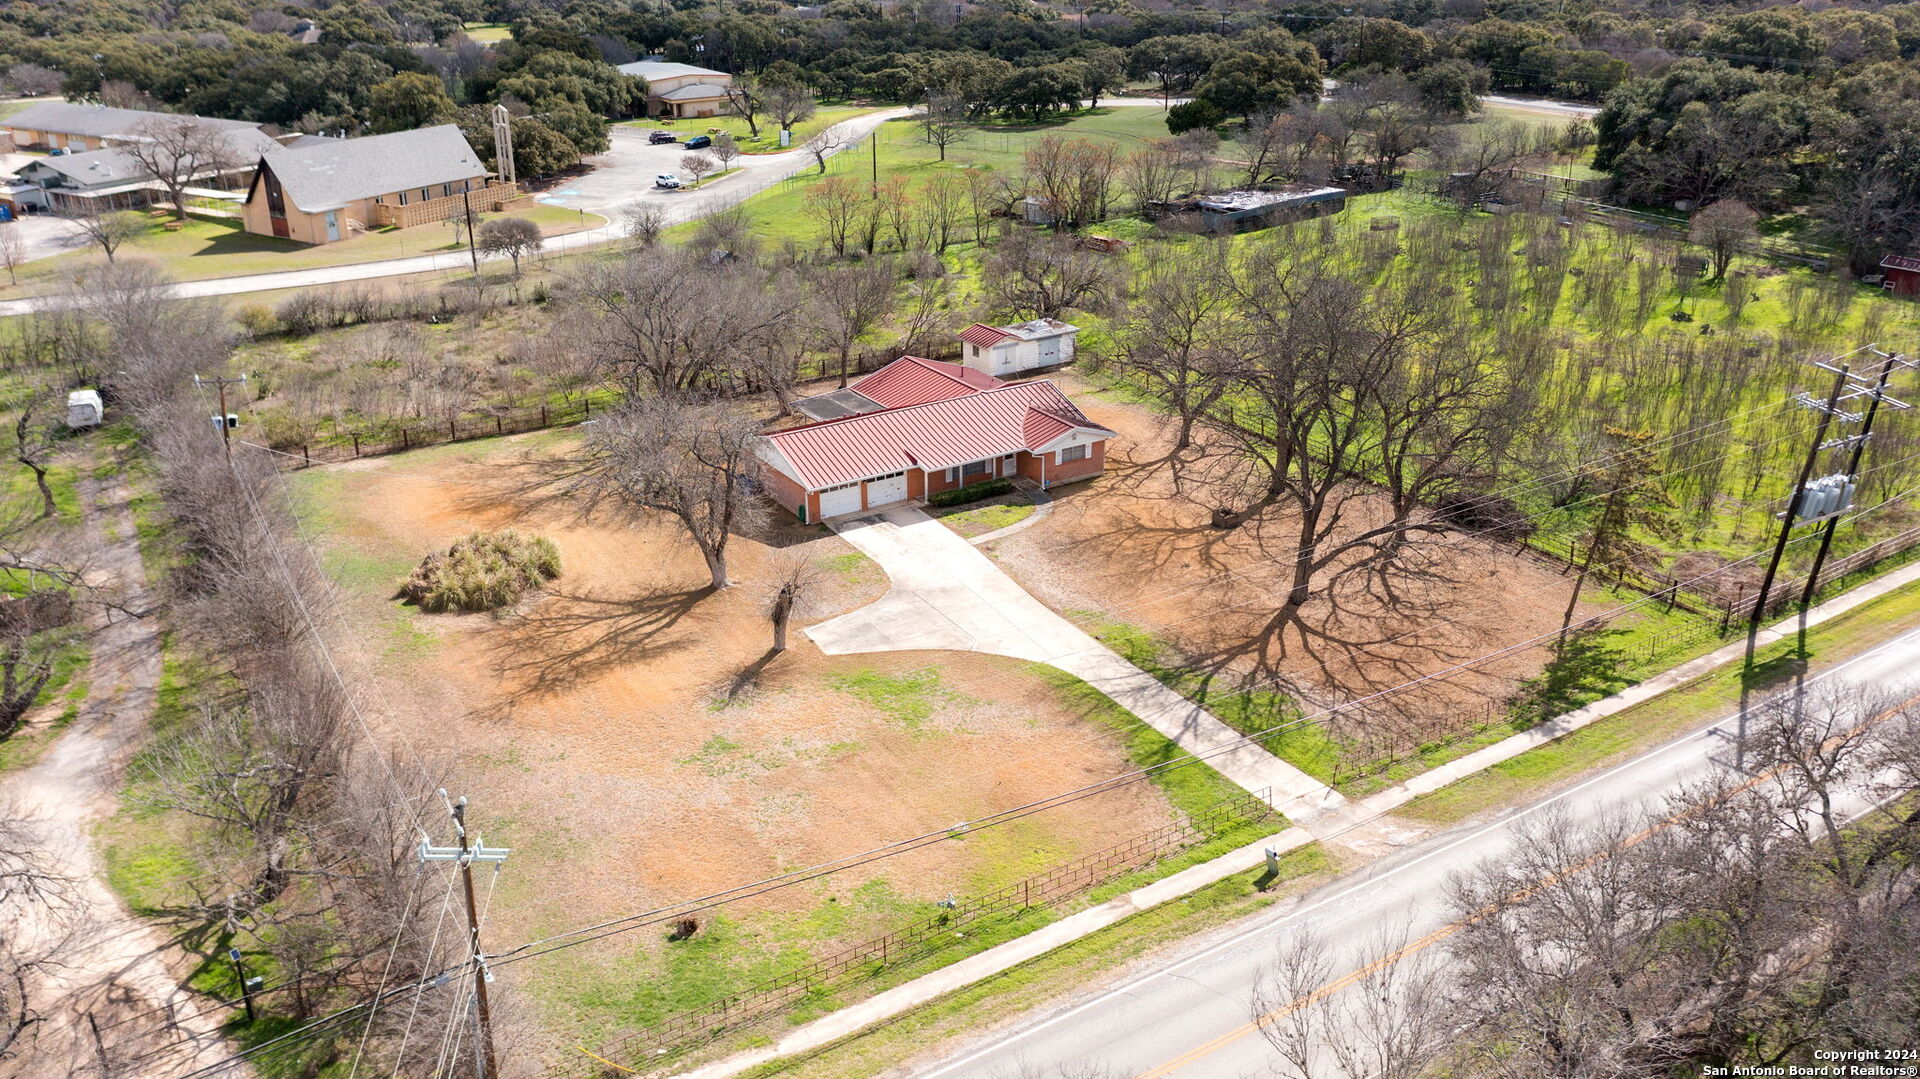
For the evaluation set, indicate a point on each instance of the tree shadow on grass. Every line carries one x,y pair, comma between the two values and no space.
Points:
576,635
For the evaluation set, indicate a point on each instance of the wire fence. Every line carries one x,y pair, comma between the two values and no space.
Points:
387,437
922,938
1383,746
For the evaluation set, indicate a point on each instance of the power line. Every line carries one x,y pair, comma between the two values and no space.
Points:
586,934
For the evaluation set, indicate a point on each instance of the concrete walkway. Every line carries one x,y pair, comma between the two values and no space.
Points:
1561,726
947,595
1042,507
903,998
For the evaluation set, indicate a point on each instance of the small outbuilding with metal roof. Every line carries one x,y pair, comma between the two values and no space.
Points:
1900,275
1025,346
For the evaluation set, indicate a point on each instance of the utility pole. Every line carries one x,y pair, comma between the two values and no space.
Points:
466,855
1792,516
226,421
466,199
1857,443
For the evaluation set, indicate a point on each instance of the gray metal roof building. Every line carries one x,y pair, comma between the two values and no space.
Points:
326,174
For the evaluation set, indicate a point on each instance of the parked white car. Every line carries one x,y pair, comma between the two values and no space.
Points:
667,180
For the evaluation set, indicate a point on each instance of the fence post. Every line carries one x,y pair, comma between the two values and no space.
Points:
306,460
453,434
406,442
586,405
356,443
543,415
497,429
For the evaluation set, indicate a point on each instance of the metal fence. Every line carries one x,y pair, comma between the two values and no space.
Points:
929,935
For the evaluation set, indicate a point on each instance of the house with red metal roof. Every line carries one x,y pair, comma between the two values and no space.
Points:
908,380
933,427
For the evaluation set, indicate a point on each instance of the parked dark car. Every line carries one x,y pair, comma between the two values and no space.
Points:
699,142
657,137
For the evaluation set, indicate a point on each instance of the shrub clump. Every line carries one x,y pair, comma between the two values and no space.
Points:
482,572
972,493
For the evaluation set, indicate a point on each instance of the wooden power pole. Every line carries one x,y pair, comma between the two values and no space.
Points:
465,855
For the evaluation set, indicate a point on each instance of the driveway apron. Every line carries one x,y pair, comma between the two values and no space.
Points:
945,594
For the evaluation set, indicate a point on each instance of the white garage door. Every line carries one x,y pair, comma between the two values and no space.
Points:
835,501
886,490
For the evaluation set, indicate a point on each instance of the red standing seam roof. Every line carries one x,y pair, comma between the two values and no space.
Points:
986,336
932,436
911,380
1900,262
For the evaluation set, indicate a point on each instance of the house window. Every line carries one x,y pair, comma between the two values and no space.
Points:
973,468
403,198
953,475
445,190
1073,453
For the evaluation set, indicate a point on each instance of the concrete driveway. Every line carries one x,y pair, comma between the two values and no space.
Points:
945,594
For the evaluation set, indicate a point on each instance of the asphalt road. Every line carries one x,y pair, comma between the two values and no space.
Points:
1190,1016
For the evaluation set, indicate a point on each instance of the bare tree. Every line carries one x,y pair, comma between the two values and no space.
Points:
943,120
1074,177
13,251
1326,388
1481,161
33,79
824,144
789,104
647,318
725,150
1723,229
107,227
743,98
514,237
33,443
697,165
687,458
1170,344
644,222
1149,175
176,151
847,301
1036,275
1382,1013
36,894
791,592
836,203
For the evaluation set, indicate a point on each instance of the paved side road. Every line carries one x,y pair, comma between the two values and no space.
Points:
623,176
947,595
1188,1018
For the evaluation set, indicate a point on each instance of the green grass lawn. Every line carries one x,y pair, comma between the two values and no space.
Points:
768,141
218,247
900,150
486,33
979,520
1668,716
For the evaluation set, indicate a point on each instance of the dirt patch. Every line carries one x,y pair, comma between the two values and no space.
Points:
627,731
1132,546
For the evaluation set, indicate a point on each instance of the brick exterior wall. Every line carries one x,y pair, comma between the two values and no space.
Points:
1052,472
784,491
